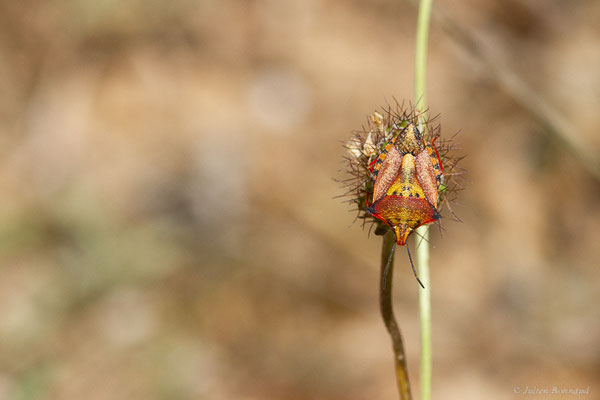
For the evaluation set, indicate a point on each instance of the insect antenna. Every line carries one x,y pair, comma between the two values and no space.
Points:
412,265
421,237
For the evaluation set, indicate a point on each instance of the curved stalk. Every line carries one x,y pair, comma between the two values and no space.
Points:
387,312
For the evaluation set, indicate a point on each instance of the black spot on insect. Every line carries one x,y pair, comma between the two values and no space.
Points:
417,195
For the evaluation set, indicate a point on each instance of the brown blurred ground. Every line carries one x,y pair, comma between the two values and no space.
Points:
167,227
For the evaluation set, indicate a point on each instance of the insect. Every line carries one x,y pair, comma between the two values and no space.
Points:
406,177
395,172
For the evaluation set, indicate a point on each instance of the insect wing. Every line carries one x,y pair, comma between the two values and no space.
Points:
427,177
387,174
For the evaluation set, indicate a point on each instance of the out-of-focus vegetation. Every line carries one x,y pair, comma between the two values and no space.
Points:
167,227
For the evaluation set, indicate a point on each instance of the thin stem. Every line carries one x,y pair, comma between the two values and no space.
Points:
421,53
423,244
424,311
387,312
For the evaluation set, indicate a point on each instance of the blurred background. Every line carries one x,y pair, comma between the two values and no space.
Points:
168,226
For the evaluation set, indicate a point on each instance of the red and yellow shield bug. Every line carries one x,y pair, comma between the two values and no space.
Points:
405,183
396,172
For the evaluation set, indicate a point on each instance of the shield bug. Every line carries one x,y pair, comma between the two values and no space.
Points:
405,183
396,172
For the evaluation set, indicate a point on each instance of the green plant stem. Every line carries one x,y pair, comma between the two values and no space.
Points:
424,310
421,53
423,231
387,312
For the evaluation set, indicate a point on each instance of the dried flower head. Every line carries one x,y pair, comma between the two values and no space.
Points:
400,172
